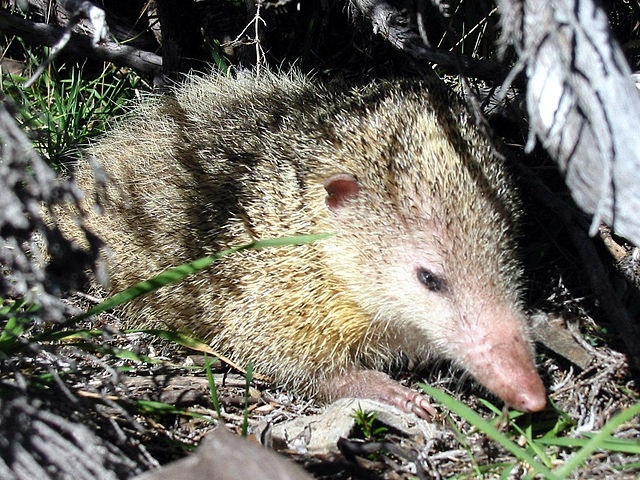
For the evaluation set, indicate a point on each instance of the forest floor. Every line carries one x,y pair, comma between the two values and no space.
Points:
148,402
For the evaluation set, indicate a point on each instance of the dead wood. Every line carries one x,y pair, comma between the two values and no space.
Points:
26,183
583,104
80,45
553,334
400,31
39,441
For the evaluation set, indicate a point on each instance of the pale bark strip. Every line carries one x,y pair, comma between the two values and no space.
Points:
583,104
584,108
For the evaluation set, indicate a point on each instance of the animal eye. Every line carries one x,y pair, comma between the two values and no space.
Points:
430,280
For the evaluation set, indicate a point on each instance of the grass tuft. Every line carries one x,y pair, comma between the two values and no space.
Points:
64,108
533,453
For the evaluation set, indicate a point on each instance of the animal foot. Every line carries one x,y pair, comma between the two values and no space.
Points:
378,386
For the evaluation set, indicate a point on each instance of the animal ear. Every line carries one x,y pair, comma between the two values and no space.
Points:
340,188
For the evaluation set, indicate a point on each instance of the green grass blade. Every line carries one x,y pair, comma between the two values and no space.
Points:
487,428
160,408
598,440
506,473
285,241
213,390
13,329
165,278
178,273
152,407
245,420
610,444
19,318
526,434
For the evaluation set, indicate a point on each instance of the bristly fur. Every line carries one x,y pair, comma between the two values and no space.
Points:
227,161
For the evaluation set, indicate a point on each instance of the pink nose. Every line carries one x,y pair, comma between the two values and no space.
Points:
530,399
507,369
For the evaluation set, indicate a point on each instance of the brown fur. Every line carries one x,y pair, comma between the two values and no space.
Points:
228,161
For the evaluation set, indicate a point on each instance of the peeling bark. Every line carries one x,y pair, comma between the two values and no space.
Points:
583,104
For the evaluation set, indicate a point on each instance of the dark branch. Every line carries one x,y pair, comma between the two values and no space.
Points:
392,24
43,34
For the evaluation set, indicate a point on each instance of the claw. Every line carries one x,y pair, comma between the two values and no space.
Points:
378,386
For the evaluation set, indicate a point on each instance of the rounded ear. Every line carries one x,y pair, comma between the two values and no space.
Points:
340,188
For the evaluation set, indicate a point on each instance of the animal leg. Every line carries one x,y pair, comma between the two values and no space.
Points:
378,386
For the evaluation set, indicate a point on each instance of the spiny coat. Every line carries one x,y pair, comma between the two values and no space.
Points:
423,257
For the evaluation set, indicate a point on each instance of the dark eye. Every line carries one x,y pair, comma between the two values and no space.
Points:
430,280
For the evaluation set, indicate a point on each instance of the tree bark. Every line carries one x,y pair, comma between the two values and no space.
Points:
583,104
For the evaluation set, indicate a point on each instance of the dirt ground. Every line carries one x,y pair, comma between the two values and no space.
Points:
79,399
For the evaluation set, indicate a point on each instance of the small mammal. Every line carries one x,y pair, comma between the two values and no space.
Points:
422,260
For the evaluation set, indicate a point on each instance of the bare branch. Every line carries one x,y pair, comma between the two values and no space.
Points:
393,25
79,9
82,45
